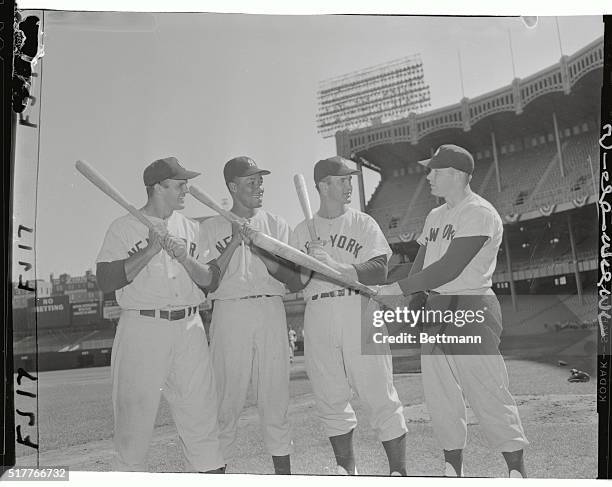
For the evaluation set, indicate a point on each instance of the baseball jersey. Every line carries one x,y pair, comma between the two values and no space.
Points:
351,238
163,282
473,216
246,274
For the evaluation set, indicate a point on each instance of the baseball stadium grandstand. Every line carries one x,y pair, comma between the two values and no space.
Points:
535,146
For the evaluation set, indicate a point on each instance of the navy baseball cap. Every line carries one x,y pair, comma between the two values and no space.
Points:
333,166
241,167
450,155
166,168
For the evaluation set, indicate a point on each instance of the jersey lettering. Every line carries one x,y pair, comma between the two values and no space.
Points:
343,242
192,247
222,244
350,245
449,232
433,234
137,247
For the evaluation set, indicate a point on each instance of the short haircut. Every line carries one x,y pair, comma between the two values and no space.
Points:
150,189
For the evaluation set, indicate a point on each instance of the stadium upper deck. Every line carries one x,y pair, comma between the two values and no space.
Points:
534,143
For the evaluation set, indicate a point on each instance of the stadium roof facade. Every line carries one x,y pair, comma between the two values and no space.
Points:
509,112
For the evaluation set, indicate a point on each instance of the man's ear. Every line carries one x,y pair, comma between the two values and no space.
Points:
232,186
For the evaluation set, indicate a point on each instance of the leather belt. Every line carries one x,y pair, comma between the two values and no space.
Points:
336,294
258,296
170,315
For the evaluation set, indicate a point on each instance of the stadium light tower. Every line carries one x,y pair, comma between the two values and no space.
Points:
373,95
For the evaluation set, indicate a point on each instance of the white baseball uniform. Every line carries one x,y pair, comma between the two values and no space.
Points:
151,354
332,333
483,378
249,335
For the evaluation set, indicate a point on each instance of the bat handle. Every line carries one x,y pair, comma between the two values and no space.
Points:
367,290
311,229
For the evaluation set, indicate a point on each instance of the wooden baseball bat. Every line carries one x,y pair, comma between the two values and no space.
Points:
281,249
103,184
302,192
205,198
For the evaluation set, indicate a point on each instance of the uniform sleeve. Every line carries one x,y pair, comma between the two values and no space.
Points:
114,247
373,271
423,238
376,243
475,221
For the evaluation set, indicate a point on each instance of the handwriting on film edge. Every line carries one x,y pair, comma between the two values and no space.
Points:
606,275
21,373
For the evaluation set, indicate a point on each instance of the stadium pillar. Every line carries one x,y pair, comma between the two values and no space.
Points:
558,141
496,162
431,154
509,266
362,201
574,257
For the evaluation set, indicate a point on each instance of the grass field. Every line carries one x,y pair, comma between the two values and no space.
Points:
560,420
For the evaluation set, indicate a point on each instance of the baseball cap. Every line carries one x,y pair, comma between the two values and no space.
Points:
450,155
241,167
166,168
333,166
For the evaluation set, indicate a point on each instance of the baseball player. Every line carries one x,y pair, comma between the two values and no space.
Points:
352,243
292,340
456,260
249,327
160,344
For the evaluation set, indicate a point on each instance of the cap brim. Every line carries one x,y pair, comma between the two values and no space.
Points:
350,172
187,175
253,171
424,162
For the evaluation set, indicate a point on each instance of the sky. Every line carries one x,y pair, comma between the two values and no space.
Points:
208,87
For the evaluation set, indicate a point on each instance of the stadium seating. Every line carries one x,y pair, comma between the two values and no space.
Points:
97,339
398,216
63,340
25,345
530,179
538,314
585,311
578,178
389,204
519,174
53,340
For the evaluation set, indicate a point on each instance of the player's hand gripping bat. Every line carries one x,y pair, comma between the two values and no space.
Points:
279,248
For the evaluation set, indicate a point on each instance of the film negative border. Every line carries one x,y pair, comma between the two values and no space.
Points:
7,15
25,104
605,273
